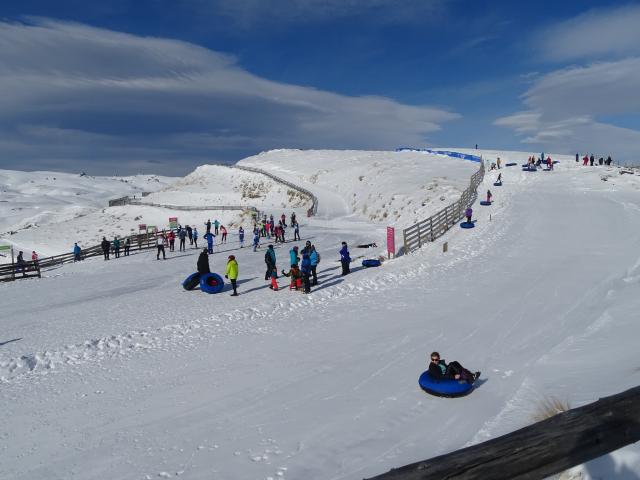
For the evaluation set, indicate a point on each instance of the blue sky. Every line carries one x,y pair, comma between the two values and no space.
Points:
163,86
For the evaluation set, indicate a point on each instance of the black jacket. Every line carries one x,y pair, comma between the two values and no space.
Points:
203,263
105,245
435,371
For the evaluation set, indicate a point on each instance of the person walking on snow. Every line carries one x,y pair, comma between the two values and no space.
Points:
208,225
232,273
223,231
345,259
489,195
296,231
468,213
256,239
105,247
498,162
592,159
183,237
172,240
585,160
127,246
270,260
116,246
189,234
216,224
21,265
210,241
77,251
241,236
314,257
34,259
195,236
160,239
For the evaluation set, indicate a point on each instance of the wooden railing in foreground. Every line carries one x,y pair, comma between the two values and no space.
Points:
435,226
539,450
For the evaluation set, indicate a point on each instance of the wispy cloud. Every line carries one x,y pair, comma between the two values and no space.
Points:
248,13
596,34
563,108
74,94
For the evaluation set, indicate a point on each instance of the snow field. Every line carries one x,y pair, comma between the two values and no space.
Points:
146,380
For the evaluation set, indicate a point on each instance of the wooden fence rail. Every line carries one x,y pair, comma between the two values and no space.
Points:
435,226
539,450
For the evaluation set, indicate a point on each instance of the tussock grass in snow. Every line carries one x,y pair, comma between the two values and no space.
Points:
550,407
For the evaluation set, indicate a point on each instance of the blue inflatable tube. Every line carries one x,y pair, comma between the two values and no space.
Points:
373,262
191,281
444,388
511,164
485,203
467,225
497,184
211,283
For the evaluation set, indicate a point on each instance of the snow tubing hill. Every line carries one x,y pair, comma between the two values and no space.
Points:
191,281
467,225
373,262
444,388
211,283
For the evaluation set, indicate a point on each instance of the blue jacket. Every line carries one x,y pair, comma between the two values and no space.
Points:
313,258
76,249
344,254
293,256
305,265
195,234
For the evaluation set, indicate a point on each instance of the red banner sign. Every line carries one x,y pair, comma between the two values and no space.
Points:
142,227
391,240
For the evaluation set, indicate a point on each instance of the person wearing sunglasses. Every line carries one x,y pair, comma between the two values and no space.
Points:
440,370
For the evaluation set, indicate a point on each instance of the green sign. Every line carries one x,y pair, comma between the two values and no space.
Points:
5,247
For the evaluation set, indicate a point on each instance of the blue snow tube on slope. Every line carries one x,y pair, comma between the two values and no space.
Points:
191,281
467,225
485,203
444,388
497,184
211,283
373,262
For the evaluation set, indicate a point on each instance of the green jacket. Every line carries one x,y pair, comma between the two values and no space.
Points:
232,270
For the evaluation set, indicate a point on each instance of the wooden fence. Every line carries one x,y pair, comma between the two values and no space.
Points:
14,271
539,450
436,225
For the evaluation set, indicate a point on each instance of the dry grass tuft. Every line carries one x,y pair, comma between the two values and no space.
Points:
550,407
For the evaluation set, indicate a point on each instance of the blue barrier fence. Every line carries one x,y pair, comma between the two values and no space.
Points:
448,153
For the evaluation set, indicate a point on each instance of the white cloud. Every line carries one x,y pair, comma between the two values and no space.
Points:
599,33
75,92
563,108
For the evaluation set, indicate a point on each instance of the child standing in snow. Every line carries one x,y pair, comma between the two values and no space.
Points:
232,273
468,213
194,233
241,236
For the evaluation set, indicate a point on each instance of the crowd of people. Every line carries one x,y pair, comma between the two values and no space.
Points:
590,160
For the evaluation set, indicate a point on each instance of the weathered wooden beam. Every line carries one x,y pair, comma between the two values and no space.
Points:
539,450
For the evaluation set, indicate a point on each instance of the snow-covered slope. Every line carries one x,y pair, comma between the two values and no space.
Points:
35,207
384,187
134,378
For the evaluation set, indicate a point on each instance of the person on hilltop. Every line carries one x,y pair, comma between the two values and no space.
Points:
591,160
241,236
345,259
440,370
577,157
77,252
232,274
216,225
270,261
223,231
585,160
203,262
106,246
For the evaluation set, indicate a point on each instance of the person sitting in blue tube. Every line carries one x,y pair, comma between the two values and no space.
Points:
440,370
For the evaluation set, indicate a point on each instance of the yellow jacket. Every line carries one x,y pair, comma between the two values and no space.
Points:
232,270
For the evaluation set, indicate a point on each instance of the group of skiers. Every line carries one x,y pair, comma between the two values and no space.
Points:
591,160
